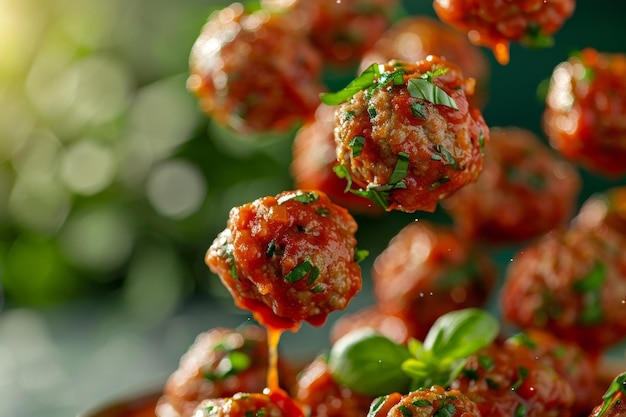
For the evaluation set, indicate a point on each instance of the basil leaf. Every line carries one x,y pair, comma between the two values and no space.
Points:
615,394
365,80
460,333
360,255
426,90
368,363
343,173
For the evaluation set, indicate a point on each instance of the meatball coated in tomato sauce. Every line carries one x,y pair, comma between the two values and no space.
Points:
321,396
495,24
314,159
409,138
249,405
508,381
585,114
220,363
524,191
571,283
435,401
288,258
568,360
342,31
413,38
428,270
252,74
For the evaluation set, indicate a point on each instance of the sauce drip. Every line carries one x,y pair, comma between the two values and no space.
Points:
273,337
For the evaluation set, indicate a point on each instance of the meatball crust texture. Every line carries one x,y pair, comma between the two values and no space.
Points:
585,115
435,401
414,114
252,74
524,191
288,258
245,404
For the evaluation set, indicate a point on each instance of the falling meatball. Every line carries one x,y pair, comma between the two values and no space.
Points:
571,283
289,258
495,24
428,270
585,114
406,134
524,191
220,363
252,74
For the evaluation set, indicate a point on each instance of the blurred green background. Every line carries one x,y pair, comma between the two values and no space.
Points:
112,184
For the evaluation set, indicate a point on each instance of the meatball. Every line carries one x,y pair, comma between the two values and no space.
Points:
570,361
571,283
614,399
249,404
393,327
585,114
435,401
524,191
604,209
341,30
314,159
409,137
413,38
252,74
317,392
428,270
220,363
288,258
495,24
507,381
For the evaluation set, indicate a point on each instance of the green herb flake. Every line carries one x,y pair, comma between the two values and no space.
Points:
439,183
522,373
318,288
424,89
210,410
522,339
299,272
446,410
535,38
590,287
304,198
315,272
261,412
520,411
376,405
360,255
471,374
372,112
418,109
356,144
405,411
491,383
365,80
323,211
445,156
249,414
270,251
421,403
486,362
227,251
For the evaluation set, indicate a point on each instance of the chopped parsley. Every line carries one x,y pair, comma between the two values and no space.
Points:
301,270
356,144
304,198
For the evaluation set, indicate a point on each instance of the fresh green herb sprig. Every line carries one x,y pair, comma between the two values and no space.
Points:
371,364
379,194
614,395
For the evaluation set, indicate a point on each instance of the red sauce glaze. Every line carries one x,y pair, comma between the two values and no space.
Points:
313,161
507,381
249,404
435,401
604,209
428,270
570,362
341,30
320,395
524,191
495,24
288,258
585,115
252,74
443,144
413,38
571,283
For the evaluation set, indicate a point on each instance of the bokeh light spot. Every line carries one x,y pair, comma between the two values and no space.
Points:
176,188
87,167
